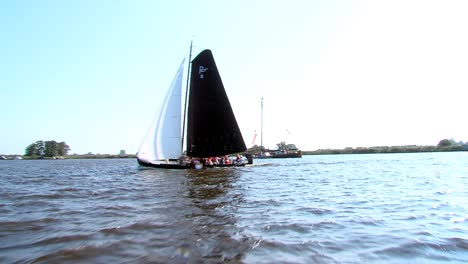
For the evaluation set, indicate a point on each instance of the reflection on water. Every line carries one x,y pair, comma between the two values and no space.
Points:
202,214
213,201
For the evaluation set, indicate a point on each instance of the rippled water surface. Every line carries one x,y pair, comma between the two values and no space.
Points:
393,208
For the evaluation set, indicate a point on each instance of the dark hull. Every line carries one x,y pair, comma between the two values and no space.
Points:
180,166
162,166
226,165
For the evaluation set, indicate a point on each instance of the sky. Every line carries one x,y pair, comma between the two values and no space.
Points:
332,73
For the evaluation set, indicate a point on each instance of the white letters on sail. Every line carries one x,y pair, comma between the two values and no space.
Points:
164,139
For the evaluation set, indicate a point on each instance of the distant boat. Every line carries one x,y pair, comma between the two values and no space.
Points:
284,150
212,130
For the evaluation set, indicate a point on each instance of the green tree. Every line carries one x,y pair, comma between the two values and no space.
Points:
256,149
444,143
40,148
47,149
282,145
30,150
36,149
63,149
51,148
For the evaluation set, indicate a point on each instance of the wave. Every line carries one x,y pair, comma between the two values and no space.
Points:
300,252
35,225
112,252
427,249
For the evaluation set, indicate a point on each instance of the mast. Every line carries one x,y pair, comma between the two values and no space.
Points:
186,97
261,128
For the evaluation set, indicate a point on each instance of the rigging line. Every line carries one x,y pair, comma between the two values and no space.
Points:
186,97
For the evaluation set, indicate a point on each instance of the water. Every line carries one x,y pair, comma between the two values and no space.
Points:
391,208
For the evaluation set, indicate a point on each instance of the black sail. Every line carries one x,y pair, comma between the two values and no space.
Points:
212,129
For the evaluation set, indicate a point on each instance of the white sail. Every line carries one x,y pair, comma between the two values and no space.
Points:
164,138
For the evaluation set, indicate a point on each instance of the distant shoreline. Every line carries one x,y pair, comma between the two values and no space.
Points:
387,149
74,156
358,150
101,156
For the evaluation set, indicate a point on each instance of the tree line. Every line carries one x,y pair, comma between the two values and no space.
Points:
444,145
47,149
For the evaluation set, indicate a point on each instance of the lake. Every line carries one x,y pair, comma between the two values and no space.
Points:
375,208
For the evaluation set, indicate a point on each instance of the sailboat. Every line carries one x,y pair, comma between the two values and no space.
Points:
211,130
283,151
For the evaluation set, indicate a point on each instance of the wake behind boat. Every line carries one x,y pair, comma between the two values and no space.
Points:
212,136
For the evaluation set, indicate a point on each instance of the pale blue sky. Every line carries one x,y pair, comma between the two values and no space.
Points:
333,73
